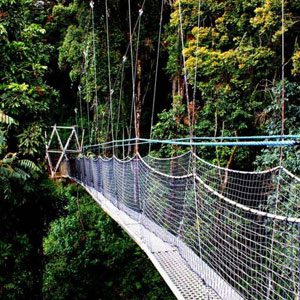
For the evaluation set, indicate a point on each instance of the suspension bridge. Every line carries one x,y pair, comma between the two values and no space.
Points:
211,232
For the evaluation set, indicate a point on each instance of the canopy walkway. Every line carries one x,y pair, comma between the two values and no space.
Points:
211,232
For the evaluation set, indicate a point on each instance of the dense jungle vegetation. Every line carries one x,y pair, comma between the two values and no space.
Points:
55,242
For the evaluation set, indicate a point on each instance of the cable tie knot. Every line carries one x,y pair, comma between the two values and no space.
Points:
124,58
111,92
92,4
79,88
141,12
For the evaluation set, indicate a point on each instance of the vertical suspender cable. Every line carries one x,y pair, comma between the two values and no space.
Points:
135,76
128,46
282,70
88,120
196,69
133,66
132,70
80,107
194,159
86,66
156,71
83,70
109,70
95,102
270,279
185,69
120,97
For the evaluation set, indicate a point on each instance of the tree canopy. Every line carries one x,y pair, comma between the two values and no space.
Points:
54,241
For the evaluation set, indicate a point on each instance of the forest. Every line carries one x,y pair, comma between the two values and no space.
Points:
210,67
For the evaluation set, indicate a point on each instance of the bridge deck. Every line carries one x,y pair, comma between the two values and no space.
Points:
172,267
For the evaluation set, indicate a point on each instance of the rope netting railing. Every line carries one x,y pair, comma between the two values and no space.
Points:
176,166
239,231
274,191
253,189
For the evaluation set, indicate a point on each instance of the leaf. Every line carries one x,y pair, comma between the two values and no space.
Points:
6,119
29,165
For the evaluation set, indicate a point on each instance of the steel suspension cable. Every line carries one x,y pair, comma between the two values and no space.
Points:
86,55
283,68
156,72
191,121
196,68
95,102
83,70
109,69
133,65
194,160
132,69
80,107
278,187
135,74
185,68
120,97
80,101
127,49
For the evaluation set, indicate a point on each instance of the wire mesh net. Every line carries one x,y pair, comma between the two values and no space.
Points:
176,166
238,231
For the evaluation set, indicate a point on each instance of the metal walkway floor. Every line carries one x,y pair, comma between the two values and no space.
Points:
165,258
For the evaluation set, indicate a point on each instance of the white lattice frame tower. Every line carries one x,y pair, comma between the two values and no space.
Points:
63,150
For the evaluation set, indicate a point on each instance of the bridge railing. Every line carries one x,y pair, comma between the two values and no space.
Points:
238,231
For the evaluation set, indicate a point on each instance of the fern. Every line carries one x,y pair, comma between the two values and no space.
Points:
29,165
5,186
5,172
12,167
2,140
6,119
20,174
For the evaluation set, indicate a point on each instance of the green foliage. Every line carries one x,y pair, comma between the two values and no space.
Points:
16,251
270,157
24,212
72,49
31,140
25,101
236,53
170,126
85,250
229,65
6,119
24,93
46,46
296,63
